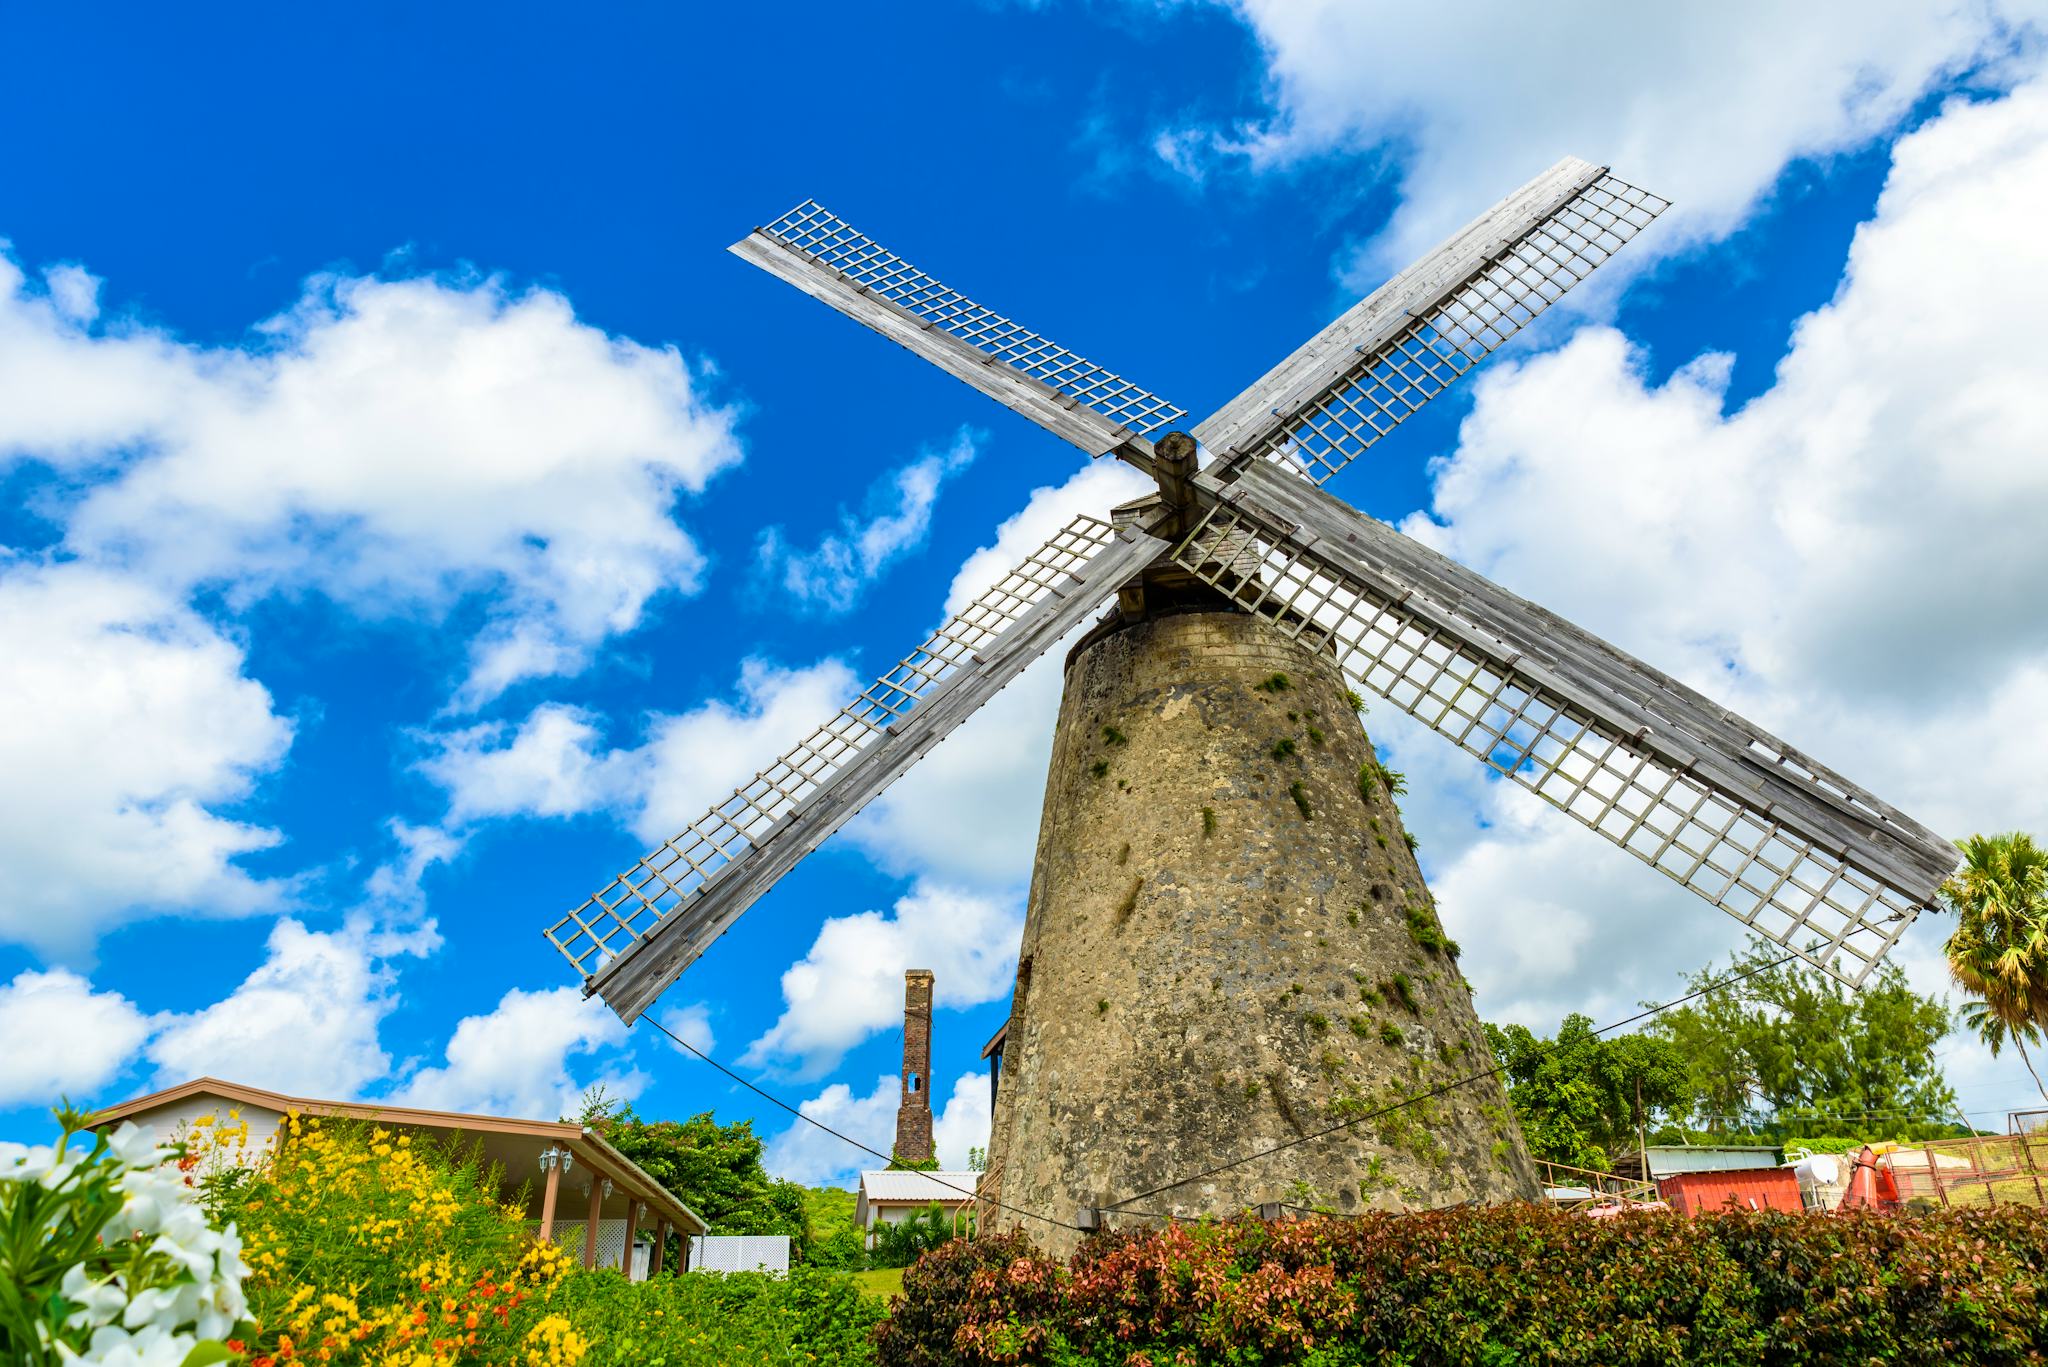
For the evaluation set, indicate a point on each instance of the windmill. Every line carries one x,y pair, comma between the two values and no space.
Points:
1227,935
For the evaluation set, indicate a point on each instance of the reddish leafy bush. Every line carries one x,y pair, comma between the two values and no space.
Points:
1508,1285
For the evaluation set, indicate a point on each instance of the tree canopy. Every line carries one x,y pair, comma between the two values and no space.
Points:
712,1168
1786,1051
1576,1095
1790,1047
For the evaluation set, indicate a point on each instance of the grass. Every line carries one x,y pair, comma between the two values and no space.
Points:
886,1282
1208,821
1300,796
1283,747
1277,683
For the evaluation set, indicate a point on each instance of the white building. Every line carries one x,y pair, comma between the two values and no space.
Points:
562,1170
891,1196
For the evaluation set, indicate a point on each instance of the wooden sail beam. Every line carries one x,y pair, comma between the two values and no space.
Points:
1794,850
636,935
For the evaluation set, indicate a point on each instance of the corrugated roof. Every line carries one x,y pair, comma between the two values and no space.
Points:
895,1185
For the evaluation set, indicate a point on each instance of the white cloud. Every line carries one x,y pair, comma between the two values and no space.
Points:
804,1153
129,732
850,985
1093,489
554,763
830,576
394,885
398,444
964,1123
967,813
693,760
1854,559
516,1059
1703,103
65,1039
305,1021
691,1023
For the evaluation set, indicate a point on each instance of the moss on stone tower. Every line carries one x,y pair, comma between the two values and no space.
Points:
1229,945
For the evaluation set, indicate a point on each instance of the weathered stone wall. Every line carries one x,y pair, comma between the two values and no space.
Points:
1229,945
914,1114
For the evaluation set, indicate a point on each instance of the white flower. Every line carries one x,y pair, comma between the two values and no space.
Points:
98,1302
154,1196
136,1147
38,1163
152,1346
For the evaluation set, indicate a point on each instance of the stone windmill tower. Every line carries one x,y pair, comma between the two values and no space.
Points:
1229,945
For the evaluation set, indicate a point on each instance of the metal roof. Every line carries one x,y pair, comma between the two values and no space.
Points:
947,1188
1671,1160
589,1147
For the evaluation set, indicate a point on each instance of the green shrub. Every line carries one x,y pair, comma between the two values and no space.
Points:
1495,1286
899,1245
808,1316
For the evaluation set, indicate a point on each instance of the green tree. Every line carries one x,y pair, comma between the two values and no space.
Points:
1791,1047
1999,950
712,1168
1582,1099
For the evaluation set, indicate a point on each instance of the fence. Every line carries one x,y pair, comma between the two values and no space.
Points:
1571,1188
1989,1170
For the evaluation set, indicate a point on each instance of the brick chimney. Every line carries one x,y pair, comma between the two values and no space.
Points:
914,1116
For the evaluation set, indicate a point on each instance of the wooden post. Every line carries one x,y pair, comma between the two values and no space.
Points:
660,1246
548,1194
590,1225
1934,1174
632,1224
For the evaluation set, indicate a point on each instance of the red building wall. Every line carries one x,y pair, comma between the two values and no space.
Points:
1750,1189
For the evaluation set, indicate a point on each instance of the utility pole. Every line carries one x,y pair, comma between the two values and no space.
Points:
1642,1131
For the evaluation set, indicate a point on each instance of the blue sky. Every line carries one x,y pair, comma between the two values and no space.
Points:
410,510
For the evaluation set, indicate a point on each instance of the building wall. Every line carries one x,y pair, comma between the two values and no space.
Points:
1744,1188
174,1120
1198,949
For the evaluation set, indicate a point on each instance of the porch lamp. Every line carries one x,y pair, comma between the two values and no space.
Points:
550,1156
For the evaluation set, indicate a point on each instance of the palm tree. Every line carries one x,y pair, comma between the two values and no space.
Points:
1996,1034
1999,951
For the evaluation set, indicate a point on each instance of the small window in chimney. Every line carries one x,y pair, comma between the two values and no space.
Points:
914,1082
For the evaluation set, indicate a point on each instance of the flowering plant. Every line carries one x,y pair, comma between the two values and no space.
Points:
107,1257
371,1248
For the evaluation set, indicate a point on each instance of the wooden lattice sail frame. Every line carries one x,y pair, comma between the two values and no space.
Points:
1793,850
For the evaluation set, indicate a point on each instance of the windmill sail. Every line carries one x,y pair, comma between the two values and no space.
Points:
1796,852
633,937
1409,340
1066,393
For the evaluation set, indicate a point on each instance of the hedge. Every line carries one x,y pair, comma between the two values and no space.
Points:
1491,1287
